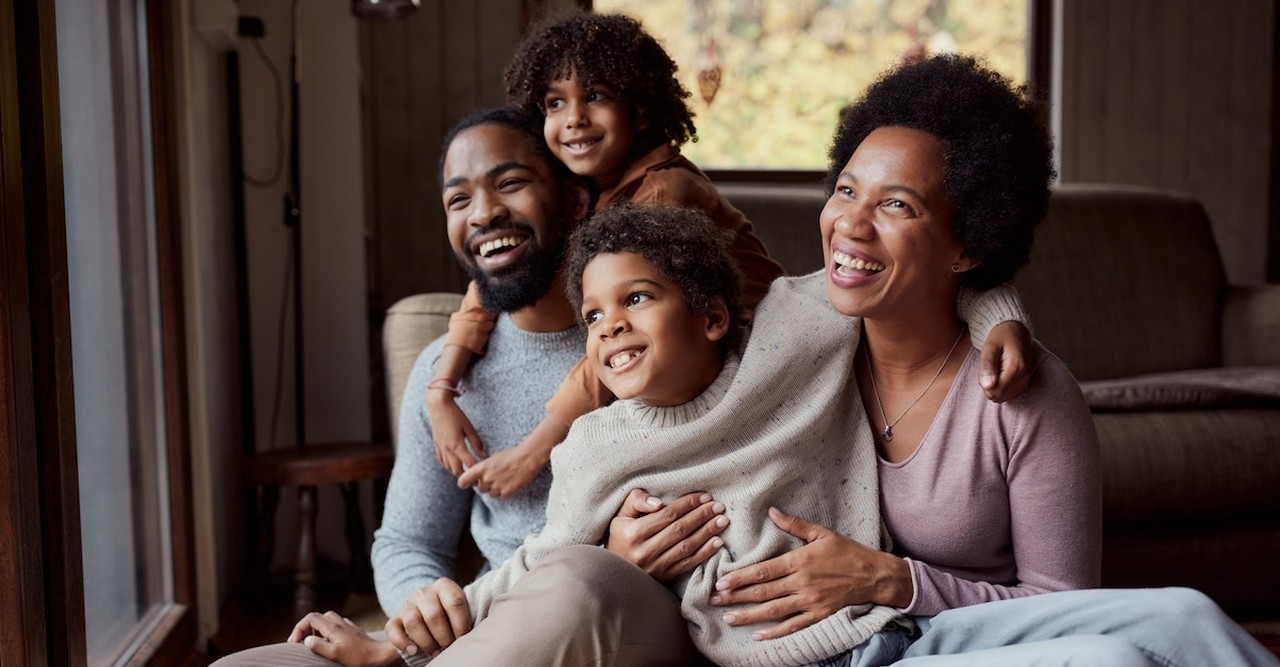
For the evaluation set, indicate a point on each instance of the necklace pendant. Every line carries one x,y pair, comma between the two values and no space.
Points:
888,434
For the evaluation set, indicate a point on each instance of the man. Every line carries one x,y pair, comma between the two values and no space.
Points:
498,181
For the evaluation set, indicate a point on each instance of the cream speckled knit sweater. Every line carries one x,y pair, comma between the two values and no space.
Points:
782,426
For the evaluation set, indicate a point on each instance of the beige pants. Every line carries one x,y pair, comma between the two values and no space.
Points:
579,607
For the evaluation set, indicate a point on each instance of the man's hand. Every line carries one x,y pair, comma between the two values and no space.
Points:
1005,372
505,473
331,636
667,541
451,430
813,581
431,620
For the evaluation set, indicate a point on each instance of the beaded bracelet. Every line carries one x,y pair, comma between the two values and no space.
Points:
444,384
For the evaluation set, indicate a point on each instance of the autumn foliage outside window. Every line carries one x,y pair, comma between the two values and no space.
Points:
785,68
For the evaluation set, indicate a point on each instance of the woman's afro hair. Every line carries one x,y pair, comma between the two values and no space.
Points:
611,50
998,155
680,243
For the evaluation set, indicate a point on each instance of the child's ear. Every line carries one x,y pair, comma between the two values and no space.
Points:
577,198
642,119
717,320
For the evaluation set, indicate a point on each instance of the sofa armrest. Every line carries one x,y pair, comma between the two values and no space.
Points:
1250,322
409,326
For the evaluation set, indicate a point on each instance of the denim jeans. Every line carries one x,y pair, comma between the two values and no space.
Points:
1099,627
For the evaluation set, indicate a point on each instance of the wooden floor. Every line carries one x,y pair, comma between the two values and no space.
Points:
270,620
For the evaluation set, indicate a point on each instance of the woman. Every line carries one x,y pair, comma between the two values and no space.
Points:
939,175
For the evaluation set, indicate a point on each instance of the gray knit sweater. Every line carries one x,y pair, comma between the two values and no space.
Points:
783,426
426,513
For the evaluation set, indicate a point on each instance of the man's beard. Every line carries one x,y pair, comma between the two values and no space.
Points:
524,283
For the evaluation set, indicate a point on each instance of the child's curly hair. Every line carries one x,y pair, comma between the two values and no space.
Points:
681,243
611,50
998,155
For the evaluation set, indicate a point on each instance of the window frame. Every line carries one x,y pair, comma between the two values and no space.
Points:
1039,69
42,622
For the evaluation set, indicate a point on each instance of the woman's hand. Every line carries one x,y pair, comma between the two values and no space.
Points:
1005,372
431,620
811,582
508,471
667,541
332,636
451,430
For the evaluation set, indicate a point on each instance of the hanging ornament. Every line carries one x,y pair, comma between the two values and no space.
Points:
916,50
709,75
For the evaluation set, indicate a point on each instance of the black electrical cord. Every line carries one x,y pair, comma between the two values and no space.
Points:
278,88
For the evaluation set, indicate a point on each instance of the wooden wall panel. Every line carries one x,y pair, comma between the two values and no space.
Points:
1175,99
422,75
1177,94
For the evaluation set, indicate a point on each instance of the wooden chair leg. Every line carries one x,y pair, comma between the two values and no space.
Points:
304,581
359,569
379,499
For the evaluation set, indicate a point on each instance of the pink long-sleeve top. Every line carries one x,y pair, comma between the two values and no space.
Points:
999,500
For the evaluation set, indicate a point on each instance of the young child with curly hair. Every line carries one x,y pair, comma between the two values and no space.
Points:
658,295
615,114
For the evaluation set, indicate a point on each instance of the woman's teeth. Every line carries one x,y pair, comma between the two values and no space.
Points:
848,262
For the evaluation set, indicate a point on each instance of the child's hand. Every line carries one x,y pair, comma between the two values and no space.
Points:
1005,373
331,636
431,620
451,431
506,472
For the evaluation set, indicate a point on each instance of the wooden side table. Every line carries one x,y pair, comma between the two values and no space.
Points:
345,464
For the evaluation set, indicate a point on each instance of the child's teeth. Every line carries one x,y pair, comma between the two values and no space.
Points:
620,360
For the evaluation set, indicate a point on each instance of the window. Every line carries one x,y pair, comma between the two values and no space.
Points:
115,321
786,68
95,517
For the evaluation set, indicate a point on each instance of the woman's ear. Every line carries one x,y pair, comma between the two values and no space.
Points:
717,319
965,263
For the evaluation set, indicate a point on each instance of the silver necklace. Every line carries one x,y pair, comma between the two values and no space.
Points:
887,433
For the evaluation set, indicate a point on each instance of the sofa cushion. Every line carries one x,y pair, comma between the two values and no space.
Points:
1125,281
1180,466
1182,390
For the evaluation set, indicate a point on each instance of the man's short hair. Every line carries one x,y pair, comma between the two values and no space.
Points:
506,116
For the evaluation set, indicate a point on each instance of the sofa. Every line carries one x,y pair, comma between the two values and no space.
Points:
1181,368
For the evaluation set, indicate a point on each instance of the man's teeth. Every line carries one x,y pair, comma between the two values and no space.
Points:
848,262
621,359
489,247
